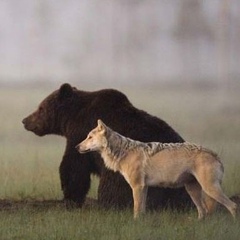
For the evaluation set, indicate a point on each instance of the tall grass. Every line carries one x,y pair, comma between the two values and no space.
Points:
29,170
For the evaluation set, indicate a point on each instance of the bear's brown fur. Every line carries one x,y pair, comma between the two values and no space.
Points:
73,113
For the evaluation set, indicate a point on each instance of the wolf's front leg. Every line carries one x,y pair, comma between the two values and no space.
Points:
139,199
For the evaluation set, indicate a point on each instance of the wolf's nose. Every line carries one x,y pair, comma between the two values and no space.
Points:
24,121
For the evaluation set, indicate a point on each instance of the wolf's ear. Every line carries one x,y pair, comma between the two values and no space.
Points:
65,92
101,125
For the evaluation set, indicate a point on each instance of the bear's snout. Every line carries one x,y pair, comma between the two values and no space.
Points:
24,121
32,126
27,124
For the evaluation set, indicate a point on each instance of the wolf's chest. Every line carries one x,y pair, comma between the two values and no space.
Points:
110,163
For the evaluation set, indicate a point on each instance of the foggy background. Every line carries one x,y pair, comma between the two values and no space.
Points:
119,41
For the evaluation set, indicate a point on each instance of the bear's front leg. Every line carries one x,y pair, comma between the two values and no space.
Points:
75,178
114,191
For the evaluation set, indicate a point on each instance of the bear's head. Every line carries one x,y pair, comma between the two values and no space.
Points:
51,113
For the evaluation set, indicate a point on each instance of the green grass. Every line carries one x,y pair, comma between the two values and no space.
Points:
29,170
98,224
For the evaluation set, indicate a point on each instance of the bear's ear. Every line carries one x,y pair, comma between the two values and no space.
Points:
65,91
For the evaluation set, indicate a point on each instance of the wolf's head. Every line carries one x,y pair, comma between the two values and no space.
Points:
96,139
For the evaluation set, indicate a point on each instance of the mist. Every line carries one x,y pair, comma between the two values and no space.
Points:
119,41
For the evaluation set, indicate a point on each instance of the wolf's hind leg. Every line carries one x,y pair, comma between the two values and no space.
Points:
210,179
215,191
209,203
195,192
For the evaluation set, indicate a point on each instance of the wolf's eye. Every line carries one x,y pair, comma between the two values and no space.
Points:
89,137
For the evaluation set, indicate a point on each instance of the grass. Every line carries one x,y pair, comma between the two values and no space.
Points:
98,224
29,170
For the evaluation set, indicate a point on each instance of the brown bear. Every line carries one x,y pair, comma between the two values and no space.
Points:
72,113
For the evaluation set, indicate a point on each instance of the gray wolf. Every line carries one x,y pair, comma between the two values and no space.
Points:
175,165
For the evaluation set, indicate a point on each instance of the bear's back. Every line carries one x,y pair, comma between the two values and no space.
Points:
115,109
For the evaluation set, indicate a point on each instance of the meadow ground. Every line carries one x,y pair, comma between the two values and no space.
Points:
30,195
